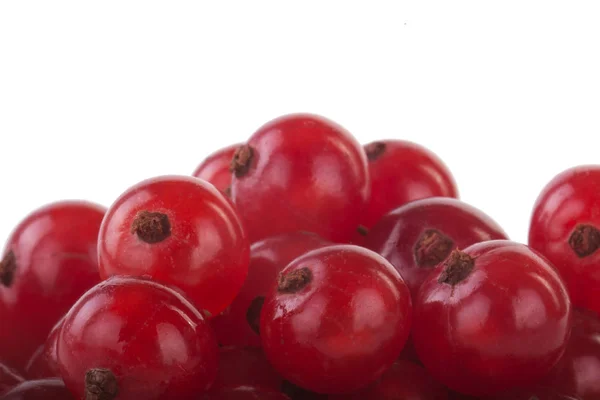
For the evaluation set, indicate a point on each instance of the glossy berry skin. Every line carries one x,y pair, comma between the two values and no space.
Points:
492,317
44,389
565,228
142,339
216,168
418,236
244,393
402,172
238,324
245,366
8,378
404,380
50,260
43,362
300,172
336,320
578,371
179,231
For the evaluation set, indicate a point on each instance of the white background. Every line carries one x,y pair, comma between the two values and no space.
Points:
96,96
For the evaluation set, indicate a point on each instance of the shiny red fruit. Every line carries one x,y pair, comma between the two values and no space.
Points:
216,168
418,236
139,339
492,317
49,261
245,366
44,389
533,394
336,320
43,362
8,378
301,172
179,231
565,227
402,172
238,325
244,393
404,380
578,372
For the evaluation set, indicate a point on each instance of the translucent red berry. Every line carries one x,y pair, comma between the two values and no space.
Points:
492,317
8,378
418,236
179,231
238,325
43,361
216,168
404,380
244,393
402,172
132,339
565,227
336,320
300,173
44,389
49,261
245,366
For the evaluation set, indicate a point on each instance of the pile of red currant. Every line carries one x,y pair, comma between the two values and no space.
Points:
301,265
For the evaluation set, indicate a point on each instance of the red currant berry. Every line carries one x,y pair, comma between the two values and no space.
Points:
179,231
136,339
8,378
44,389
402,172
418,236
337,319
565,227
49,261
239,366
43,362
215,168
578,371
404,380
492,317
533,394
245,393
300,173
238,325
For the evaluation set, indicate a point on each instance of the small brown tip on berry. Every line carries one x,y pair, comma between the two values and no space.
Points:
227,191
585,240
375,150
362,230
457,267
432,248
253,313
294,281
8,266
100,384
151,227
242,159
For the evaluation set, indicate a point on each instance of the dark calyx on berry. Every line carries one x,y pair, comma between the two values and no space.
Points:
432,248
242,159
585,240
8,266
151,227
100,384
253,313
362,230
294,281
375,150
456,268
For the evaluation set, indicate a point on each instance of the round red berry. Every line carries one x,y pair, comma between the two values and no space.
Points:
418,236
565,227
43,361
336,320
402,172
300,173
44,389
492,317
245,366
8,378
238,325
216,168
245,393
136,339
49,261
179,231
